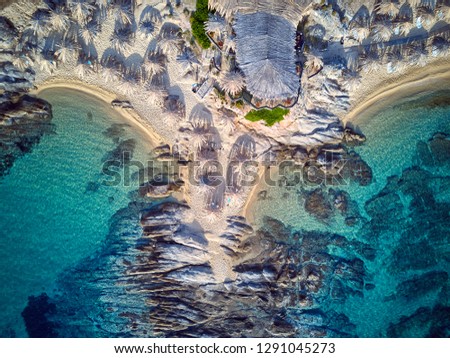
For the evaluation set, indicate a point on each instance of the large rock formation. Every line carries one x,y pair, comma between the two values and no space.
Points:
24,119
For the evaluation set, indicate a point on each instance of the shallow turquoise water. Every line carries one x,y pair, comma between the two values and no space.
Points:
50,217
391,148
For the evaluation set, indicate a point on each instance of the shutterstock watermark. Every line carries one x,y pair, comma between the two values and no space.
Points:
235,175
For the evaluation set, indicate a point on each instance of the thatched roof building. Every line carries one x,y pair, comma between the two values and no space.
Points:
265,50
289,9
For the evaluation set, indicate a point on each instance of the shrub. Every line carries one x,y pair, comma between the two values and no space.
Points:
269,116
198,20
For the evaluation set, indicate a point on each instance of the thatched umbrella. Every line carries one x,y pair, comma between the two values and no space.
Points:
369,62
122,14
313,64
64,52
388,8
420,57
110,74
156,90
216,24
121,40
59,19
229,45
22,62
46,64
38,24
360,33
81,11
439,45
187,60
151,14
228,124
82,70
128,85
170,40
232,82
146,28
89,32
352,80
170,46
153,65
381,32
226,8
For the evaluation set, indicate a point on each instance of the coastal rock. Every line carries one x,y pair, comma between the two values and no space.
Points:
353,138
318,205
421,285
8,34
158,189
23,121
424,322
15,80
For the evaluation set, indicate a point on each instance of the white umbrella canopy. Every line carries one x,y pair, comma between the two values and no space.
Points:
59,20
232,82
388,7
64,52
22,62
381,32
360,33
152,68
81,11
82,70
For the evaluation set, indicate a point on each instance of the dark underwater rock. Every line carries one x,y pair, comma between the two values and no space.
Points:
318,204
23,121
352,138
36,315
424,322
421,285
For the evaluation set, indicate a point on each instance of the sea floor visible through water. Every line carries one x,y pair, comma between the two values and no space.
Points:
404,217
55,209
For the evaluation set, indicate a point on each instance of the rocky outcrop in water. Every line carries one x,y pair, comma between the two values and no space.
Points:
24,119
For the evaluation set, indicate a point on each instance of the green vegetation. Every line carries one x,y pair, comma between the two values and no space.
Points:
269,116
198,20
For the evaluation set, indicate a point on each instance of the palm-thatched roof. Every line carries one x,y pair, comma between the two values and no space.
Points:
288,9
265,47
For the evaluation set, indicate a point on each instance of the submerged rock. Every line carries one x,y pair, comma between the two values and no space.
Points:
23,121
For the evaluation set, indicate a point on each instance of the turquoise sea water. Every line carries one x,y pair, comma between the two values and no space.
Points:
55,216
53,209
408,225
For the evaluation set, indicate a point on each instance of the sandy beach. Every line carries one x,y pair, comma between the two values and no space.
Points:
107,97
379,92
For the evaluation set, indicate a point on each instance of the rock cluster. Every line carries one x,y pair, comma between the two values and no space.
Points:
23,119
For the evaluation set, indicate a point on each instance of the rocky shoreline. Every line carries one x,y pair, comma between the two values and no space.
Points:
24,119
